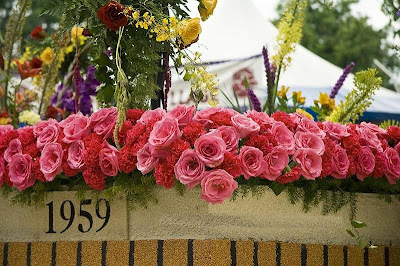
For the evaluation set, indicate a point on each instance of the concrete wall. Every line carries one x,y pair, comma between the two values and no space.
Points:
269,218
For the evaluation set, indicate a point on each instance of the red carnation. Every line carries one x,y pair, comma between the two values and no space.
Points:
126,126
6,177
221,119
231,165
7,137
127,160
26,136
351,143
175,151
286,119
291,176
94,178
164,174
38,33
31,149
327,157
112,15
352,167
68,171
394,133
134,133
37,173
192,132
134,115
265,142
380,165
93,140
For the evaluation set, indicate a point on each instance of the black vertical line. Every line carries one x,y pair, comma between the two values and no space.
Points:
278,254
233,253
325,255
53,254
5,254
79,254
131,253
303,255
366,260
190,252
345,256
387,261
29,254
103,253
255,254
160,252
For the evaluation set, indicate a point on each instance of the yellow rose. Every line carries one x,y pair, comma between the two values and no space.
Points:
208,8
47,56
190,30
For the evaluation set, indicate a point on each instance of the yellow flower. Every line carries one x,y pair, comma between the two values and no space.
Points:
305,113
299,98
5,120
283,91
47,56
190,30
29,117
208,9
77,32
325,100
19,98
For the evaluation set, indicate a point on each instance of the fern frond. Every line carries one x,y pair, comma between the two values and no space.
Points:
387,123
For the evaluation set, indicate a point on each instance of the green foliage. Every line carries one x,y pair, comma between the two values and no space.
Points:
359,99
388,123
390,8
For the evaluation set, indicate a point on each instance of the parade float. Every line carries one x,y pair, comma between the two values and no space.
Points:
86,125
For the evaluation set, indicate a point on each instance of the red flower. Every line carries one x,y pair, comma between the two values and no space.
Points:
54,112
134,115
31,149
26,70
192,132
38,33
26,136
291,176
265,142
94,178
112,15
37,173
394,133
7,137
175,151
6,177
133,134
351,143
352,167
126,159
164,174
380,165
327,157
231,165
221,119
286,119
36,62
68,171
126,126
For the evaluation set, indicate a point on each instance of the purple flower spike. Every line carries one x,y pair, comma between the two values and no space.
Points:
341,80
268,68
398,13
254,100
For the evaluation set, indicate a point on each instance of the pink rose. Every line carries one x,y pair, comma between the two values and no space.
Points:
164,133
211,149
369,138
244,125
217,186
183,114
189,169
103,122
145,161
5,128
231,137
51,160
335,131
203,116
77,127
20,171
340,163
310,163
393,165
108,160
365,163
2,170
15,147
39,126
260,118
252,161
283,136
48,134
397,147
308,125
157,114
276,161
375,129
309,140
75,155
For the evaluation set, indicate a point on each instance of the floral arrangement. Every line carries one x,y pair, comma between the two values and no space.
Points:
215,148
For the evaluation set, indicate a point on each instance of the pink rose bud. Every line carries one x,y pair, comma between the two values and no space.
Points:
48,134
103,122
183,114
189,169
393,165
283,136
231,137
75,155
51,160
217,186
146,161
20,171
335,131
276,161
308,125
244,125
365,163
156,114
309,140
108,160
252,161
164,133
369,138
340,162
211,149
15,147
76,127
310,163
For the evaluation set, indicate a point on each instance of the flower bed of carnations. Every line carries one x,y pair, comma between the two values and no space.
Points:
211,148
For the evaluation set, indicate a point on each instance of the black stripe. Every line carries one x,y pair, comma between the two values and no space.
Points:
325,255
190,252
255,254
79,254
160,252
131,253
53,254
303,255
233,253
29,254
387,261
5,254
103,253
366,260
278,254
345,256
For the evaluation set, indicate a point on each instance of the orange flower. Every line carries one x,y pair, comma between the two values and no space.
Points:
26,70
38,33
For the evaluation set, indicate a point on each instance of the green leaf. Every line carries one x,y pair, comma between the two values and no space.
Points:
358,224
246,83
187,76
350,233
362,243
277,188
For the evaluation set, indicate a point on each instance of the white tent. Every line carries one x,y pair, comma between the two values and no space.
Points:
231,41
